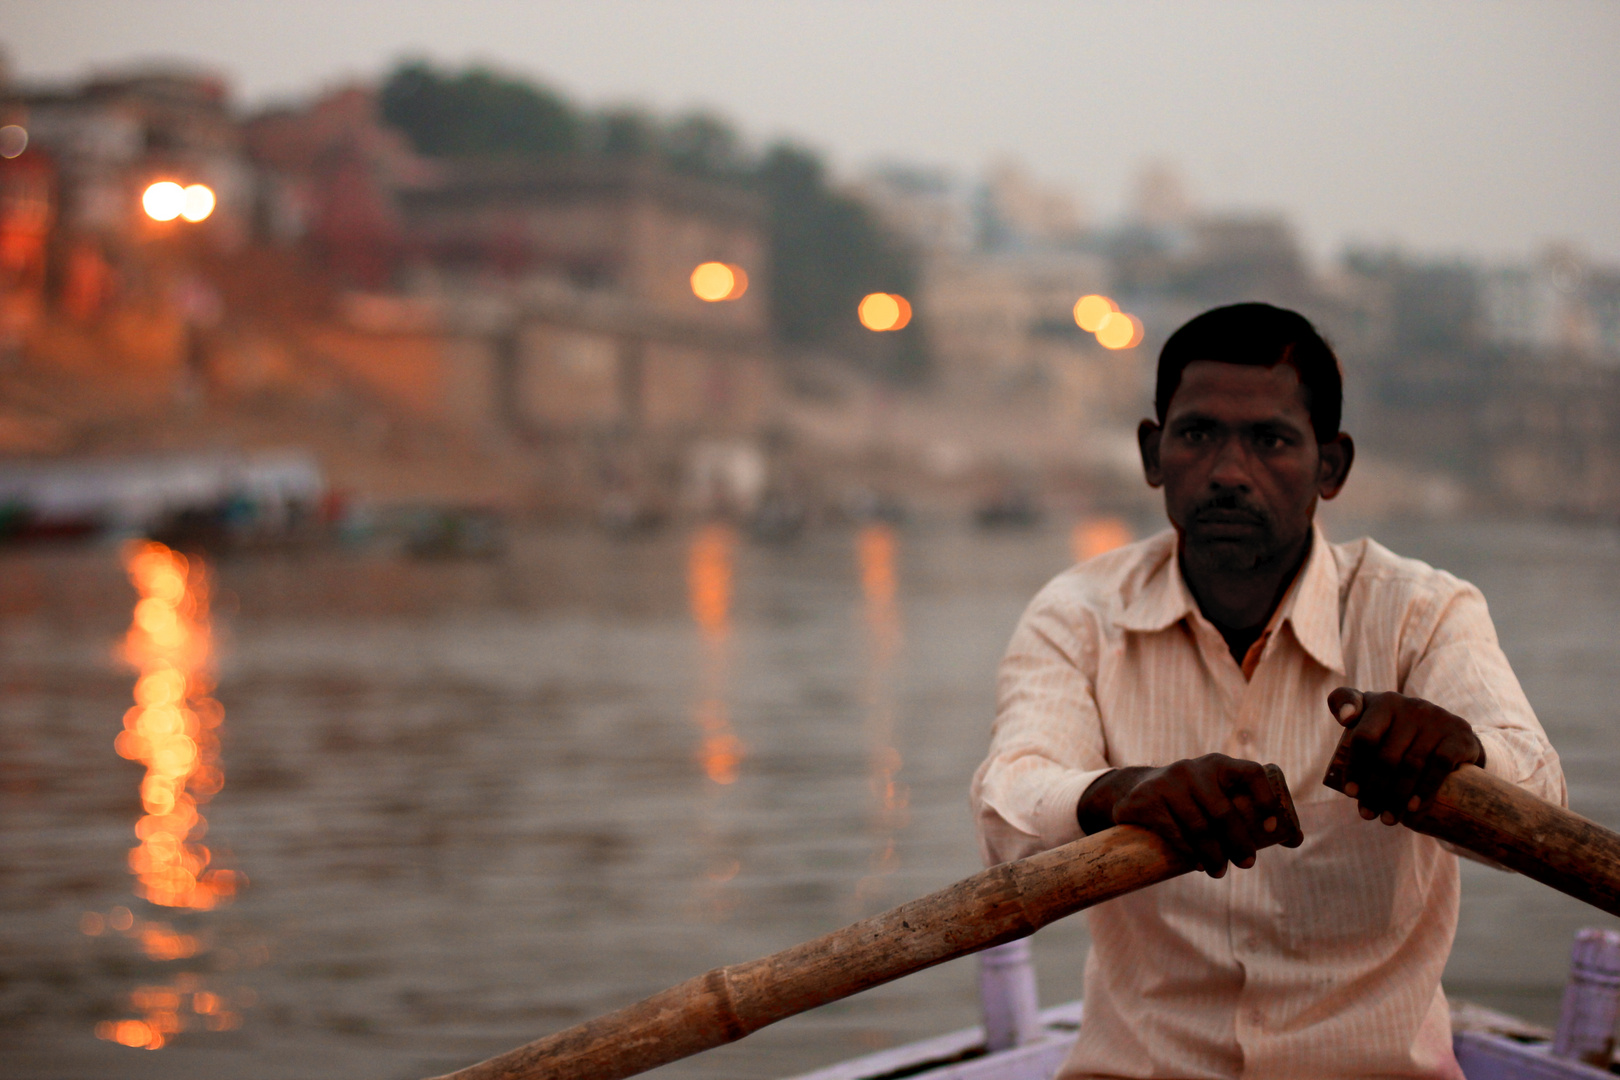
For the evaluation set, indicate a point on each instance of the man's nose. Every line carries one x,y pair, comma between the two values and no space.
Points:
1230,468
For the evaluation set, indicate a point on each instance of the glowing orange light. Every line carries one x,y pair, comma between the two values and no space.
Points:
164,200
709,579
905,312
165,1013
198,202
884,311
721,752
156,998
875,550
1098,536
715,281
1091,310
130,1033
172,730
160,942
1120,331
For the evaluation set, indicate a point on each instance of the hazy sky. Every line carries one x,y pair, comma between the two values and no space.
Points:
1477,128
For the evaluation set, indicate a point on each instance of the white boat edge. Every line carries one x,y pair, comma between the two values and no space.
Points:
1032,1044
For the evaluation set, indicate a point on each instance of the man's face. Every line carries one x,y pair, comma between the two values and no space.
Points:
1239,464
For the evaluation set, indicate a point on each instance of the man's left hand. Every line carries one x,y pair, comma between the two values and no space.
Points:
1401,748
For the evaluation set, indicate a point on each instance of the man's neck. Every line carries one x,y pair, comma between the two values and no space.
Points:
1239,603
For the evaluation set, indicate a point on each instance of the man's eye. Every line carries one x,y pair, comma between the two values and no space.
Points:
1195,435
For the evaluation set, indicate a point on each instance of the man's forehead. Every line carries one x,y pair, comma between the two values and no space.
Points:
1240,391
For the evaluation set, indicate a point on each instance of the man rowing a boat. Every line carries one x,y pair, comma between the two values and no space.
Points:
1146,685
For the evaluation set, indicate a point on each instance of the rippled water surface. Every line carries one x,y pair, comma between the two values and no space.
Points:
477,801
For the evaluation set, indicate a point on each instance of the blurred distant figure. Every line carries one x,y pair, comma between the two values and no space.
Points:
201,310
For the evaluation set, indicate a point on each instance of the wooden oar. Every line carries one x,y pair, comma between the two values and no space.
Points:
1523,832
1001,904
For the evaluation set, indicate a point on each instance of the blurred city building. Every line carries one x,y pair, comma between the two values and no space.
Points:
328,172
526,328
1002,263
1506,377
555,297
1559,303
92,284
1015,210
111,137
592,262
354,295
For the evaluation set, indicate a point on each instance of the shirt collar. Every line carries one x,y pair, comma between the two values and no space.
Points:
1312,606
1160,598
1155,597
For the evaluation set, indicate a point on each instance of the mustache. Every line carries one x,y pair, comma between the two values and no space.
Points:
1229,506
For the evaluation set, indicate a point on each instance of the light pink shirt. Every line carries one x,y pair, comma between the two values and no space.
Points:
1322,961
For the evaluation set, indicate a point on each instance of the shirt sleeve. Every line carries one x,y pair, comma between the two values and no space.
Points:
1047,745
1459,666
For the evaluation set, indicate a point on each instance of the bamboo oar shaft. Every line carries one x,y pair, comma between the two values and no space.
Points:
997,905
1523,832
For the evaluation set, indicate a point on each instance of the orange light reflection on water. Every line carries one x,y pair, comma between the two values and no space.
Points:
877,551
181,1005
173,730
169,1010
709,572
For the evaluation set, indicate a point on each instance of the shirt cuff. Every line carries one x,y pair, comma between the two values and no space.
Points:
1496,756
1057,815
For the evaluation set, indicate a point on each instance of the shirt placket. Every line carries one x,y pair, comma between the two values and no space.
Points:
1249,741
1235,693
1244,701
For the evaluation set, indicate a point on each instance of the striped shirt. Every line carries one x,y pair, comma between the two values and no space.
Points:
1321,961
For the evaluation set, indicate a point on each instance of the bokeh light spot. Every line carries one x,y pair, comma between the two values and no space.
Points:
905,311
198,202
1091,310
884,311
1120,331
1098,536
164,200
716,281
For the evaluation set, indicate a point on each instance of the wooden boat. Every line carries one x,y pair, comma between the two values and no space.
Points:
1021,1041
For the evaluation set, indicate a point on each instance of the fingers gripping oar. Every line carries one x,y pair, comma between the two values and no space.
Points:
998,905
1508,825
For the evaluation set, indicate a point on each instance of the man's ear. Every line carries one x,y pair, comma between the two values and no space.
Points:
1334,469
1148,435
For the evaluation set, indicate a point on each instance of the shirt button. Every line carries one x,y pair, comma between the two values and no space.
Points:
1245,737
1255,1017
1252,944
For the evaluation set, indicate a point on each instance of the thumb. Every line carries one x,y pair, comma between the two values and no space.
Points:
1346,704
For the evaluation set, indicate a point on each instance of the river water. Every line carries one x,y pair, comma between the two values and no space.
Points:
473,802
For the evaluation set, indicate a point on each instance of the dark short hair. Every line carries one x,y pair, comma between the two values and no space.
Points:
1258,335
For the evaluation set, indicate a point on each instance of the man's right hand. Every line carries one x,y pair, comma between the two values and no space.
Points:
1213,809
